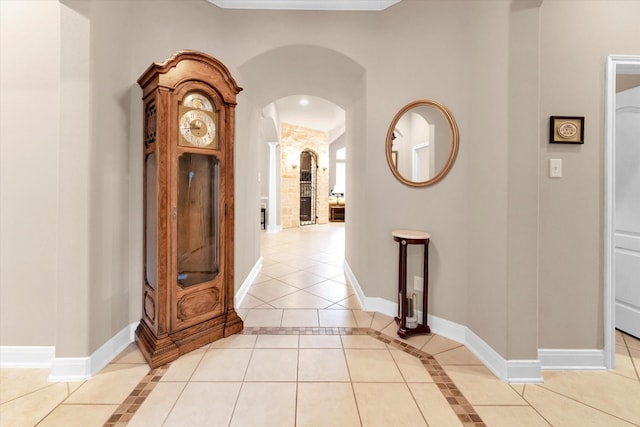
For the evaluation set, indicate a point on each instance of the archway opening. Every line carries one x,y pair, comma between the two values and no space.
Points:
317,73
327,79
304,124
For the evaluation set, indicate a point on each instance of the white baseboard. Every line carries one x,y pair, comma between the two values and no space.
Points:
516,371
26,356
379,305
351,278
81,368
513,371
244,288
572,360
448,329
67,368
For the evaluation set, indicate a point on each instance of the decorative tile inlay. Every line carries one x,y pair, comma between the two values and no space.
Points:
458,403
123,414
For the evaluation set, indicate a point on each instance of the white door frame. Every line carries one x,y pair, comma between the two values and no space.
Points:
614,64
415,162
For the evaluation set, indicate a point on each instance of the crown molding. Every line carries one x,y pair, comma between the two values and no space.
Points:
335,5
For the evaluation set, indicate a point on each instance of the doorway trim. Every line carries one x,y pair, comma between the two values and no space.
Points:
614,63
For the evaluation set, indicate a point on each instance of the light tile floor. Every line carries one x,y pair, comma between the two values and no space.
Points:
309,356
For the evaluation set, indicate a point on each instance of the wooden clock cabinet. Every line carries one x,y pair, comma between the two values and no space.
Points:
189,105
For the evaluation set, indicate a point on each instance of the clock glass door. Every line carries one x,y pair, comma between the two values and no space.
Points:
198,217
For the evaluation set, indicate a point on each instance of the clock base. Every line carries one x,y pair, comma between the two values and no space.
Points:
234,324
161,350
157,351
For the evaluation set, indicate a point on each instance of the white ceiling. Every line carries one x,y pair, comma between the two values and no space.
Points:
362,5
318,114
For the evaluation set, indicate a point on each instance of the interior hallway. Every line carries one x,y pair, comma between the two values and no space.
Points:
309,356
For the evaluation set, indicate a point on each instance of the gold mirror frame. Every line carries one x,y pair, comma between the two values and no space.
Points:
454,142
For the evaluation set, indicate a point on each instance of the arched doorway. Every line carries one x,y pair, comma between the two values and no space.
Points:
308,187
278,73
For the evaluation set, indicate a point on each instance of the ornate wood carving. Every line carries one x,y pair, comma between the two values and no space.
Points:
150,124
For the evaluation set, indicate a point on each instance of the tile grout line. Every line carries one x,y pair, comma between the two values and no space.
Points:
626,344
533,407
353,390
454,397
244,376
568,397
406,382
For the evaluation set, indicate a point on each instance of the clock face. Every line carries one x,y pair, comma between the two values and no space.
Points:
197,100
197,128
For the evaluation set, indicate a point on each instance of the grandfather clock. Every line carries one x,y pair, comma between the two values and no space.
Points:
189,104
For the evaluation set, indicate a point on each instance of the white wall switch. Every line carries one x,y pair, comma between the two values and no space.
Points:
418,284
555,168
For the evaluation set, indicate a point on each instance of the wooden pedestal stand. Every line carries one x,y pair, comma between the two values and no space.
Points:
404,238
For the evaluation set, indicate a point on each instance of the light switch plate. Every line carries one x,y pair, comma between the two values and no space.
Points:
555,168
418,284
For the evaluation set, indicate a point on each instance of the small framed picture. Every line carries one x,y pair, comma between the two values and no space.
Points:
566,130
394,158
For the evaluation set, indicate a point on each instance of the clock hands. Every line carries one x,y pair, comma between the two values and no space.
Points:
197,128
194,125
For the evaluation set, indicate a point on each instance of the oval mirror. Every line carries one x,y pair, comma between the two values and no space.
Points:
422,143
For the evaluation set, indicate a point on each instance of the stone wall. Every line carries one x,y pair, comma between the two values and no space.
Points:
294,140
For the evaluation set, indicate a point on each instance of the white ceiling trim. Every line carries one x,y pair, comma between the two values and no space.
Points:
340,5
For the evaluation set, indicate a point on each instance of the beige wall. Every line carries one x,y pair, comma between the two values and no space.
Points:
515,256
74,227
487,148
571,209
522,187
29,143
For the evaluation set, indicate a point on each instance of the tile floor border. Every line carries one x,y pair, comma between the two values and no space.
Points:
458,403
123,414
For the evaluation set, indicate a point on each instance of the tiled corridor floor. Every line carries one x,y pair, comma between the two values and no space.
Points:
309,356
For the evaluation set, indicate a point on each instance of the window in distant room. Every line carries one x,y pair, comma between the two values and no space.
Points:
341,157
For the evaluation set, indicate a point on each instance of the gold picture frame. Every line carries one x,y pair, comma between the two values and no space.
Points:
566,130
